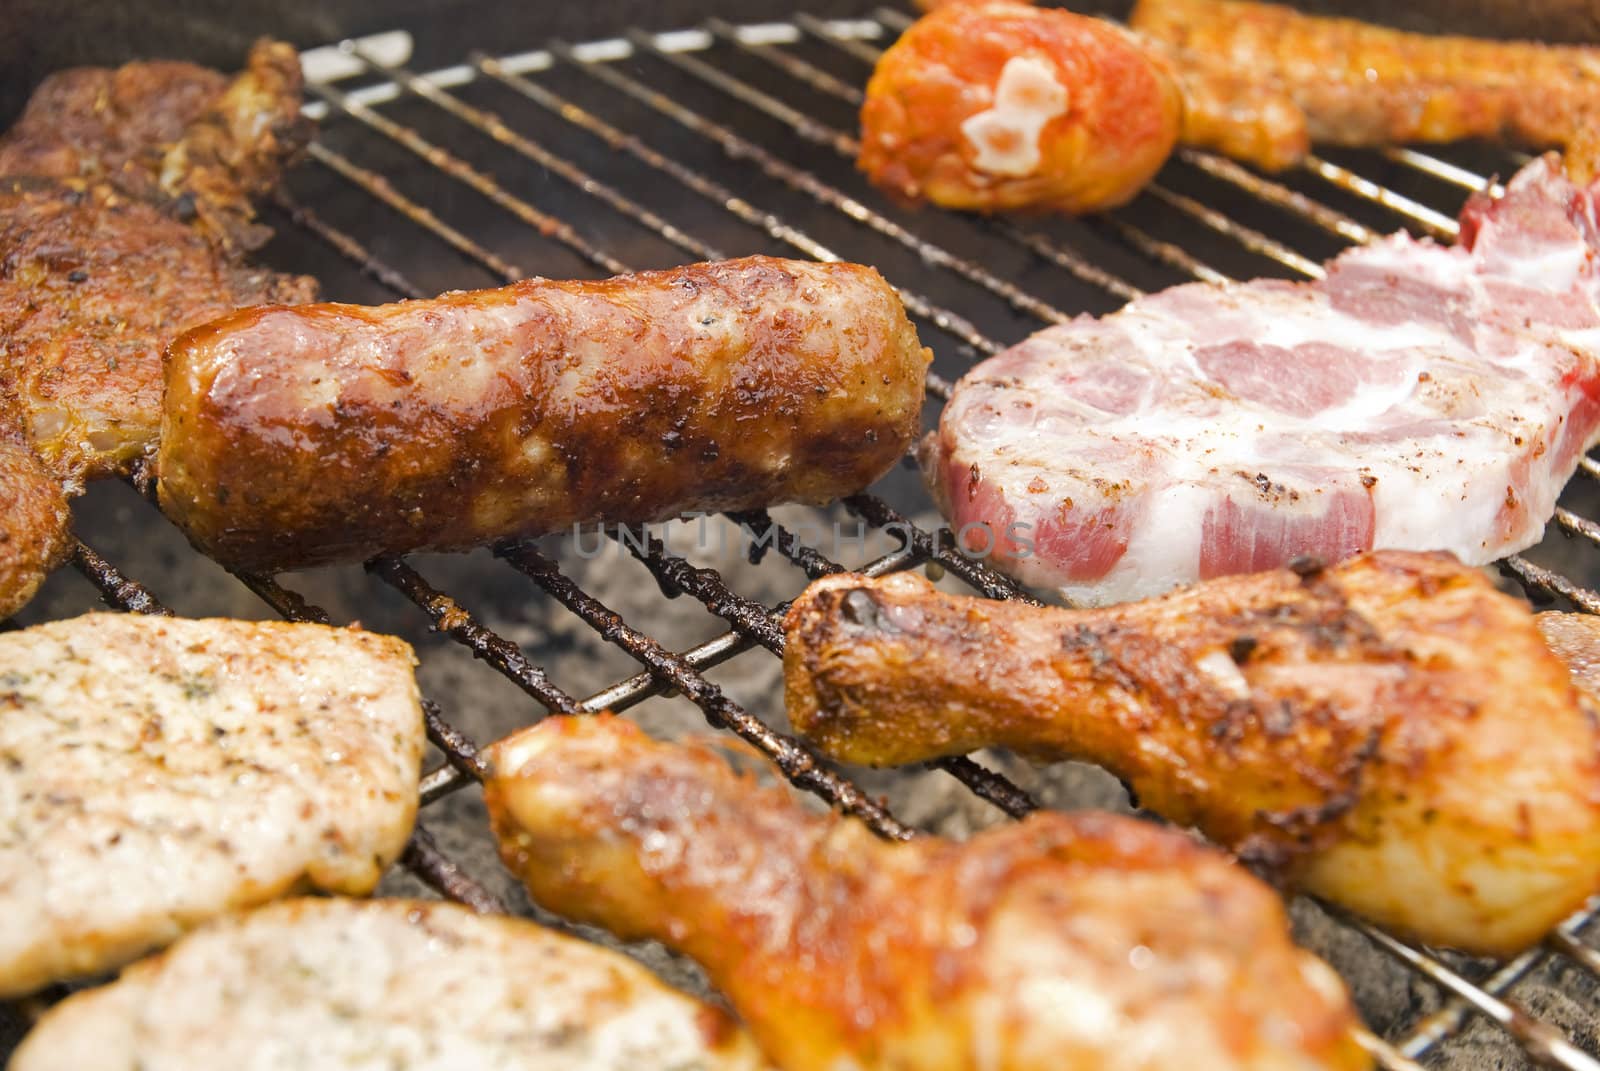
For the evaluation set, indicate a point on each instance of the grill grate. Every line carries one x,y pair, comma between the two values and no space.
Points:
798,71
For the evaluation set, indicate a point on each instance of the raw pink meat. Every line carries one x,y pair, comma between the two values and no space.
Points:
1421,397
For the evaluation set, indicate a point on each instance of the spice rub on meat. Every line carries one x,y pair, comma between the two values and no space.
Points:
158,772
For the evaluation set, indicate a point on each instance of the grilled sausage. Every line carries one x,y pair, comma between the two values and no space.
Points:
997,105
294,437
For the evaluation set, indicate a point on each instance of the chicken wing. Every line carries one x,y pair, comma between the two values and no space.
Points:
156,772
1262,81
174,134
1391,734
379,985
1062,941
295,437
998,105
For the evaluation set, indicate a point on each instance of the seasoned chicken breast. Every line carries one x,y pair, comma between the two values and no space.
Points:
157,772
1391,733
1065,941
380,985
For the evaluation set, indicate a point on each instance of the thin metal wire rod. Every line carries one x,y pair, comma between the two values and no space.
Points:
1278,195
940,548
1542,1042
741,148
1248,237
1436,223
342,243
764,626
449,617
1537,576
821,134
491,125
438,871
375,185
798,763
465,173
1383,1053
1448,1021
116,590
718,194
1443,170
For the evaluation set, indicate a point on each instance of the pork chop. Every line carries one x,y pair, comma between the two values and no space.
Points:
379,985
157,772
1421,397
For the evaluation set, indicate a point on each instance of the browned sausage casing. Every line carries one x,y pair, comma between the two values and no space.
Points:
302,436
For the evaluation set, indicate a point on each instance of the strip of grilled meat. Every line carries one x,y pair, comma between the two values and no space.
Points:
93,286
1063,941
124,208
33,523
295,437
1263,81
174,134
1392,734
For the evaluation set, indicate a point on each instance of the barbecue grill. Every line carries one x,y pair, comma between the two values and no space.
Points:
652,148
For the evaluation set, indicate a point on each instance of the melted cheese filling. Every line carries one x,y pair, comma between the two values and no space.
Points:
1006,137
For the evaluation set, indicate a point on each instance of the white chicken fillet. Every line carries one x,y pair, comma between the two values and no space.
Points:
157,772
384,985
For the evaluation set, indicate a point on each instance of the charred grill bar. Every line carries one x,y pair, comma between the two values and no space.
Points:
1321,205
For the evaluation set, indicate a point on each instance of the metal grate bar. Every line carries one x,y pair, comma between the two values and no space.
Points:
799,764
738,147
116,590
1435,223
947,321
1539,578
468,175
490,124
449,617
1429,164
346,246
847,146
1542,1042
375,185
765,627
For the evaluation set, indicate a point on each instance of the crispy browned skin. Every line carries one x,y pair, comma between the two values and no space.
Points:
188,138
33,520
1575,639
294,437
953,112
93,286
1063,941
1392,734
1262,81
